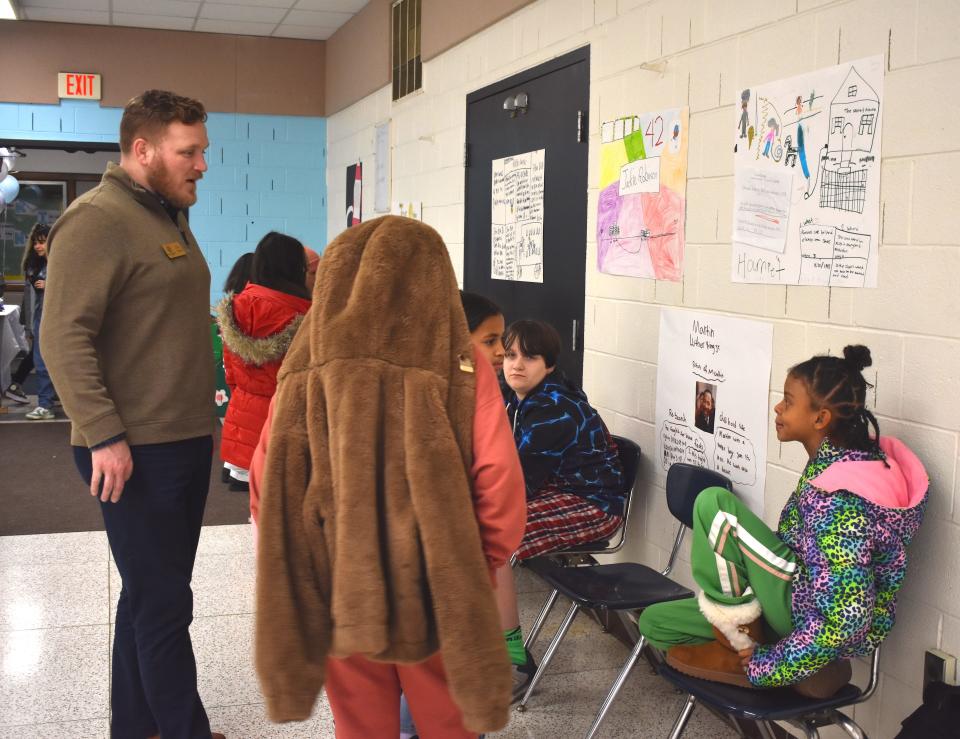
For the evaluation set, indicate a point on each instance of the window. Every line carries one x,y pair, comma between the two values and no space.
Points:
838,123
405,35
866,123
852,91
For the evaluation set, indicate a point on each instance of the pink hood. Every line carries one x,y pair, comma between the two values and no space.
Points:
901,485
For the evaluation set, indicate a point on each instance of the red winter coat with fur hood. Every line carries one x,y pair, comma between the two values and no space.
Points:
257,325
369,539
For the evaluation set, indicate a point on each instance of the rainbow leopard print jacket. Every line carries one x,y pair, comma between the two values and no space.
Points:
849,522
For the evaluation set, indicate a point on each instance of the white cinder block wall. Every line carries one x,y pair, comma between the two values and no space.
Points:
711,49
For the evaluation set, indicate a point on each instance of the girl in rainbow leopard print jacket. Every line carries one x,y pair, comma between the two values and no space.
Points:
826,582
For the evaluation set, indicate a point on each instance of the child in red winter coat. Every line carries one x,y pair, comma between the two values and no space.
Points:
257,325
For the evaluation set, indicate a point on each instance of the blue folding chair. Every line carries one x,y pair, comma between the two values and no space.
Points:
777,704
629,454
628,586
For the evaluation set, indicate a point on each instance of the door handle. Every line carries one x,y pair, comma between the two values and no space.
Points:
574,338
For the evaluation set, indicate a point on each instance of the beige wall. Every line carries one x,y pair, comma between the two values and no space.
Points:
230,74
448,22
358,54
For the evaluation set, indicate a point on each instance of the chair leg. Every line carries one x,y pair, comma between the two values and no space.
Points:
548,655
850,726
766,731
615,688
541,619
681,723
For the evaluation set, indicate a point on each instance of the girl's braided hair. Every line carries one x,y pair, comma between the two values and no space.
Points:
837,383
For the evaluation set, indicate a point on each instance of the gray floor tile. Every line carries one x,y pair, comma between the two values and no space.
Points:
251,722
36,596
70,548
95,729
54,675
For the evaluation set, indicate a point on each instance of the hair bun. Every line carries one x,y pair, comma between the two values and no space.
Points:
857,355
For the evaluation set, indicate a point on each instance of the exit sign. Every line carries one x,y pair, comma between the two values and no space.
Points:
77,85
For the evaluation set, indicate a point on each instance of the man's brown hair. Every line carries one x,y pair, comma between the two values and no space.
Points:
146,115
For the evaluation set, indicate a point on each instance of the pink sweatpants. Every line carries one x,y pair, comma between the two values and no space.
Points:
365,698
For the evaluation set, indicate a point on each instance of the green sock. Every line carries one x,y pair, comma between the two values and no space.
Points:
514,637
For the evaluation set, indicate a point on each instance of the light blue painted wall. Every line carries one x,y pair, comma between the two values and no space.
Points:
266,173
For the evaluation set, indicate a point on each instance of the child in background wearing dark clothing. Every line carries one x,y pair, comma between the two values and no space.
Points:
826,582
237,280
35,273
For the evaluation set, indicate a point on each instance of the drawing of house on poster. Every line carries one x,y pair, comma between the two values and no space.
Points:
823,131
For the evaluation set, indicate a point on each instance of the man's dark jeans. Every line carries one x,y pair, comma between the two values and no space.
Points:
153,530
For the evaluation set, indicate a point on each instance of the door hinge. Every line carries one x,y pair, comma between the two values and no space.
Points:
573,343
466,154
579,126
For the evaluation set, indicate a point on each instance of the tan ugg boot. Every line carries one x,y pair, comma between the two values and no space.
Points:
735,627
827,681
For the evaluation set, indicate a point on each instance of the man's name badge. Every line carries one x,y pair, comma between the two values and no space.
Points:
466,363
174,249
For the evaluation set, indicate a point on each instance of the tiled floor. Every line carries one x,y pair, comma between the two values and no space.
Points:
56,609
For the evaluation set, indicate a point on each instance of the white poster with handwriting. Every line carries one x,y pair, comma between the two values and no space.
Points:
516,231
819,134
713,381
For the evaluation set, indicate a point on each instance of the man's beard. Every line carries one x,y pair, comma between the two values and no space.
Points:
162,182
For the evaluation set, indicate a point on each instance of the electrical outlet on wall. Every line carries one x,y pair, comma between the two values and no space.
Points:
939,666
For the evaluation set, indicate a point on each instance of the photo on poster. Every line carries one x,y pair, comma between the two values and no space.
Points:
713,385
705,405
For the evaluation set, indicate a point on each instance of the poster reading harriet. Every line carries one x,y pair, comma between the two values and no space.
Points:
713,380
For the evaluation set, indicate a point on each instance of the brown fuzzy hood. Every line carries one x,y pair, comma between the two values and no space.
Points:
369,542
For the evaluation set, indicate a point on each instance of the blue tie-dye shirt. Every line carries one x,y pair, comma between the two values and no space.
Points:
564,443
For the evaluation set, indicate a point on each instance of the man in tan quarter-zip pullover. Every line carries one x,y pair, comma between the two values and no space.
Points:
126,335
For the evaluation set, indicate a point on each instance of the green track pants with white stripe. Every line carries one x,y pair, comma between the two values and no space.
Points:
736,558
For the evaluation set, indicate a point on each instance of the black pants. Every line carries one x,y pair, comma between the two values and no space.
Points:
153,530
23,370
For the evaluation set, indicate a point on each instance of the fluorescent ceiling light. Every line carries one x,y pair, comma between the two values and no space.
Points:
6,10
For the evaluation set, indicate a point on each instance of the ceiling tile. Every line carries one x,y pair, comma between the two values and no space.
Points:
304,32
86,5
68,16
179,8
285,4
339,6
308,18
140,20
224,26
245,13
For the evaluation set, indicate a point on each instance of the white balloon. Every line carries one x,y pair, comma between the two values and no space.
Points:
6,161
9,188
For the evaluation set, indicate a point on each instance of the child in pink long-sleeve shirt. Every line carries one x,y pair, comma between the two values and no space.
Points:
385,286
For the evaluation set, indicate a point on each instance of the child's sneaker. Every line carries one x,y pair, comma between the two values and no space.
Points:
16,394
40,414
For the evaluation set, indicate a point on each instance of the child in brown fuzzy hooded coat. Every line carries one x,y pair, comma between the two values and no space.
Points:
391,489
